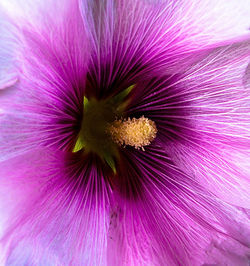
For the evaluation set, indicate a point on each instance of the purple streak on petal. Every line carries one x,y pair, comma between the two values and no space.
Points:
172,215
173,220
134,39
203,118
64,214
246,78
53,62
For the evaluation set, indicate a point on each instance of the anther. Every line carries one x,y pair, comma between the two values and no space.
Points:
133,132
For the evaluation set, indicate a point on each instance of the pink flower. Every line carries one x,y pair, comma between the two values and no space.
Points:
125,132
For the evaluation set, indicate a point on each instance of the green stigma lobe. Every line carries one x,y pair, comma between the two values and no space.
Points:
97,115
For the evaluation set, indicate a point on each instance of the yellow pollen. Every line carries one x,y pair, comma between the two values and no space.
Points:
133,132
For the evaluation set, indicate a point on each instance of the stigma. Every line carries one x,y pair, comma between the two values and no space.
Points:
136,132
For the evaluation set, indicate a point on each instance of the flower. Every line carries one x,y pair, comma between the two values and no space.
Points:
125,132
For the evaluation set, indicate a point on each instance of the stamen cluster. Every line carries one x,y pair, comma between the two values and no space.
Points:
133,132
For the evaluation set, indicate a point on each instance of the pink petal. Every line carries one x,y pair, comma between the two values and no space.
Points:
49,101
173,220
8,70
62,209
218,145
135,39
203,118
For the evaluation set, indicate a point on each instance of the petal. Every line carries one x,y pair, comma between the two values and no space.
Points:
225,253
135,39
202,116
56,209
203,22
8,70
52,58
173,221
219,116
217,21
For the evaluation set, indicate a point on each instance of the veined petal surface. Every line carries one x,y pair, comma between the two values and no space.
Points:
182,201
202,116
47,104
172,220
62,203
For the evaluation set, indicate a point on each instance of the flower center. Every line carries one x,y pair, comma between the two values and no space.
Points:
103,129
133,132
93,136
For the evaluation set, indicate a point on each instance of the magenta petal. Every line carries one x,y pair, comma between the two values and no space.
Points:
48,104
62,208
173,221
226,253
203,119
181,201
218,142
155,36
